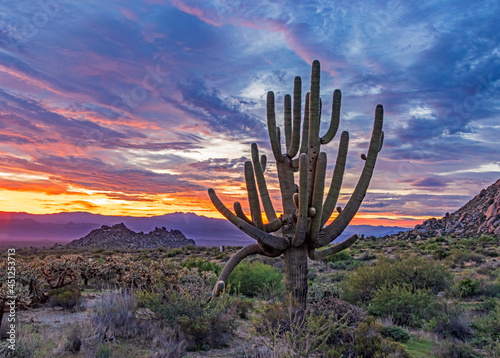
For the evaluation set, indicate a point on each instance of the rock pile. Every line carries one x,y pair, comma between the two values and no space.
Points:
480,216
120,237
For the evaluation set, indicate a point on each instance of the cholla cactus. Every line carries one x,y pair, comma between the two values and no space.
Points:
300,231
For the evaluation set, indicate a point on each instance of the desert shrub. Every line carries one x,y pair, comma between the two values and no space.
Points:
441,254
362,284
341,256
65,297
397,333
74,339
453,325
488,304
273,317
256,279
202,265
460,257
115,315
104,352
431,247
488,326
367,256
455,350
368,342
406,304
202,324
244,306
467,287
174,252
338,332
490,289
486,239
440,239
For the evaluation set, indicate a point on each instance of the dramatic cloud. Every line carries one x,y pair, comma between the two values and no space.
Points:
138,107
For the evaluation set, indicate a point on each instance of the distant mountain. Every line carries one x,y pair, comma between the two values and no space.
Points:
480,216
120,237
65,227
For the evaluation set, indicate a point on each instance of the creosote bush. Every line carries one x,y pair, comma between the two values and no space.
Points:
361,286
407,305
65,297
253,279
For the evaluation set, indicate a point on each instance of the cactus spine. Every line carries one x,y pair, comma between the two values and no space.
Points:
300,231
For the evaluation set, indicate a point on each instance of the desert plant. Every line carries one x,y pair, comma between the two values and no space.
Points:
256,279
362,284
299,231
467,287
397,333
405,304
66,297
202,265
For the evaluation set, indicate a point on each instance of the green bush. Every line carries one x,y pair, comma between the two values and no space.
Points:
406,305
397,333
202,265
256,279
467,287
65,297
341,256
486,239
441,254
362,284
455,350
431,247
460,257
175,252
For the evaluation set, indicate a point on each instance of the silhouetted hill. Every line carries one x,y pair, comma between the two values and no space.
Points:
120,237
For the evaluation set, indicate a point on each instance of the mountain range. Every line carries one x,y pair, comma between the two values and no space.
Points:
44,230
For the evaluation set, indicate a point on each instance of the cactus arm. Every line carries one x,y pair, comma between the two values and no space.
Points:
333,230
317,200
239,212
335,120
263,162
272,129
232,263
276,242
338,175
297,102
305,129
313,139
322,254
253,197
288,120
274,225
303,212
261,184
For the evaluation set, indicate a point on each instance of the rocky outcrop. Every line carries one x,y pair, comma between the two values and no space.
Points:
120,237
480,216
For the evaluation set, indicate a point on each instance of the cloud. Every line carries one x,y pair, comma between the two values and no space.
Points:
429,183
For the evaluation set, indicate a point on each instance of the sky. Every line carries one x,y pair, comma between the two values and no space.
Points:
138,107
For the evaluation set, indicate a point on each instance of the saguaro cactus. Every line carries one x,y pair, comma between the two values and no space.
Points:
300,231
